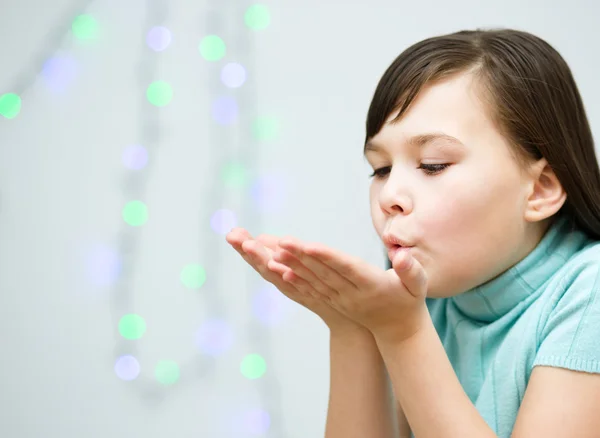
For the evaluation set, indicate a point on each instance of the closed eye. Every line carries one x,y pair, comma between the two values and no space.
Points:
428,169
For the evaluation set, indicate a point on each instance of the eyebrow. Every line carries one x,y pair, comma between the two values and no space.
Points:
417,141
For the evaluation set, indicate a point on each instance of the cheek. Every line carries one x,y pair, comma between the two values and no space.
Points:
469,232
466,206
377,216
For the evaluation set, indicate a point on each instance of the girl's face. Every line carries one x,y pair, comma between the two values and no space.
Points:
454,192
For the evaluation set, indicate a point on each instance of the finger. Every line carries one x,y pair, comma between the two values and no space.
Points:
237,236
237,241
258,257
278,268
335,268
269,241
260,253
256,250
288,259
411,272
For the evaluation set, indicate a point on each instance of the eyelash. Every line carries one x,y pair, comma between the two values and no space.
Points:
429,169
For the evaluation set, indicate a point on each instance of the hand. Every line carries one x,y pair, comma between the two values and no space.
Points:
390,303
258,253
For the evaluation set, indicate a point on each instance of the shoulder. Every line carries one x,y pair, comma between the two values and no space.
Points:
569,331
577,281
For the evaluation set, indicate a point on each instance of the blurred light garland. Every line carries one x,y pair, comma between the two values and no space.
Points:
215,335
131,326
269,419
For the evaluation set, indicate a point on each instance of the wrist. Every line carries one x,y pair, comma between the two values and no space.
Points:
357,341
349,330
419,322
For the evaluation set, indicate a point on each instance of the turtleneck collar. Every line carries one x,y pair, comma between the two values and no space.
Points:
495,298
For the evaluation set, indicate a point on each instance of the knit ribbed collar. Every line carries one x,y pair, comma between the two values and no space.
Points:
495,298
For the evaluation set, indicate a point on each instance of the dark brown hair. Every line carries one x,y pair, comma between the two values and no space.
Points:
531,96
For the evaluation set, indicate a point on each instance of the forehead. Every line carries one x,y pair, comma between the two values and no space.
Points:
453,106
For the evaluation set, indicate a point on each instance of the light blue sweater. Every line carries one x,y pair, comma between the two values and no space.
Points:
545,310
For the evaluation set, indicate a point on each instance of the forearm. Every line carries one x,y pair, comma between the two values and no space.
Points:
360,403
426,386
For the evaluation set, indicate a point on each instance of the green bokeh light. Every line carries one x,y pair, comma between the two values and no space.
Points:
257,17
132,326
265,128
253,366
167,372
85,27
193,276
234,175
159,93
10,105
212,48
135,213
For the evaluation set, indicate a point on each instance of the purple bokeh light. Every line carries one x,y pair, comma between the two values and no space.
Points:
268,192
214,337
103,265
225,110
233,75
158,38
58,72
256,421
223,221
135,157
127,367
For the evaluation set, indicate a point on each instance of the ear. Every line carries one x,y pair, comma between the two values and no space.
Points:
546,195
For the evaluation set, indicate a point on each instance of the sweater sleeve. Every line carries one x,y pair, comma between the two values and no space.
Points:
571,337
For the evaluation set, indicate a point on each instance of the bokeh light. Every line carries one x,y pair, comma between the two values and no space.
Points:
135,157
193,276
135,213
214,337
127,367
223,221
225,110
270,306
85,27
212,48
265,128
257,17
58,72
159,93
256,421
103,265
234,175
268,191
233,75
158,38
166,372
10,105
253,366
132,326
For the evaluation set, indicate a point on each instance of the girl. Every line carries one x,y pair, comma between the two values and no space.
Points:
486,192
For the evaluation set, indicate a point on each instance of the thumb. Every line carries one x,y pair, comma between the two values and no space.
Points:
411,272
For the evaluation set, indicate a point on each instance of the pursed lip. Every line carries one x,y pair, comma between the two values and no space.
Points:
392,242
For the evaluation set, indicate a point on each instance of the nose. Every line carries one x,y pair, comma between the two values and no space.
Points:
394,199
